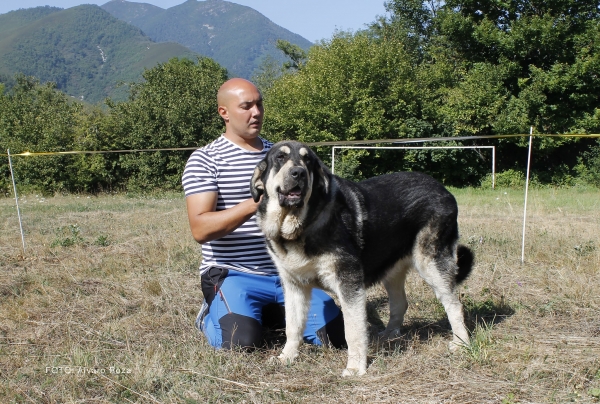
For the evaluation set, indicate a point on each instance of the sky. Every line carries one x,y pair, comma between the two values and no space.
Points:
312,19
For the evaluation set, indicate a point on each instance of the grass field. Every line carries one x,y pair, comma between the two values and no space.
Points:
101,306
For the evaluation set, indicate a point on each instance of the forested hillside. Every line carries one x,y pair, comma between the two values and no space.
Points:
237,37
174,106
84,50
458,69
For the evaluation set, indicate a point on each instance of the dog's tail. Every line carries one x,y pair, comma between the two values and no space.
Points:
465,263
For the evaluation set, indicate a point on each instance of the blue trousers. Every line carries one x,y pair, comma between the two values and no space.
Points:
239,305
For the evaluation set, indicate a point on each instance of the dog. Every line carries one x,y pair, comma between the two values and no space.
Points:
323,231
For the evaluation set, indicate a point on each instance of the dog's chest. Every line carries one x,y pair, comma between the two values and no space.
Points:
293,260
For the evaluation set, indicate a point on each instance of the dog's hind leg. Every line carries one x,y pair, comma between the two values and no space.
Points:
297,304
440,272
394,285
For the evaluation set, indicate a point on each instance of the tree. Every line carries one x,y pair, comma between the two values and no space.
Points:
267,73
351,87
543,61
296,54
37,118
463,67
174,107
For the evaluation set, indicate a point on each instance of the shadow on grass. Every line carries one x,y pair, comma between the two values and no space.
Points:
487,312
484,312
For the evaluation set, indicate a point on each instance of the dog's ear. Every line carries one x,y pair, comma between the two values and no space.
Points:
257,187
324,176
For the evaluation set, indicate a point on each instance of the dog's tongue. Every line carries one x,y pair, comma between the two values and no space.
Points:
295,192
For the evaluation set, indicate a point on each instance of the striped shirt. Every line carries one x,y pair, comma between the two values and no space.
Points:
225,168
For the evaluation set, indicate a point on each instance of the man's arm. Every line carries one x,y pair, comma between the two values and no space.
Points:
207,224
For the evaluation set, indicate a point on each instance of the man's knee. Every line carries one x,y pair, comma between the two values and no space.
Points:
240,331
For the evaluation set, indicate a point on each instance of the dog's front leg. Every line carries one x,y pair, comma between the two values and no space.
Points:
297,304
355,326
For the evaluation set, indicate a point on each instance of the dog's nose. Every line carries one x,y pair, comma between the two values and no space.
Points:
297,173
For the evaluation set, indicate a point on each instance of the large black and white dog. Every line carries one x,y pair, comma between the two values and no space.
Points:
327,232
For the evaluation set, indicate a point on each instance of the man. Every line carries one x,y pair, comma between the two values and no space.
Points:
242,291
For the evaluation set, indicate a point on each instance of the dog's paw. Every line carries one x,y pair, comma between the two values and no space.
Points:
280,360
353,372
274,360
455,346
387,335
287,359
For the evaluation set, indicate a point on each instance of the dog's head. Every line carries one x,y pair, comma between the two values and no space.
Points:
290,172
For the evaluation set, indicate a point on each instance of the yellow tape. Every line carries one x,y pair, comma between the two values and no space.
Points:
329,143
99,151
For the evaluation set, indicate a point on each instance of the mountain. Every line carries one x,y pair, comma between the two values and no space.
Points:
132,13
236,36
84,49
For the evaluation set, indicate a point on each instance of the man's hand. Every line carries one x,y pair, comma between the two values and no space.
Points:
207,224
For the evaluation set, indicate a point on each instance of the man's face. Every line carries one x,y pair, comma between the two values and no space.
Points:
243,111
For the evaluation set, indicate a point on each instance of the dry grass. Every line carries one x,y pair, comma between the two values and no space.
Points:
102,305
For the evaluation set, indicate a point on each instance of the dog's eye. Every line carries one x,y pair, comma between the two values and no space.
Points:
281,156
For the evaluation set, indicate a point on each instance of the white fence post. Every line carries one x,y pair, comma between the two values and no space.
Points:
526,194
16,199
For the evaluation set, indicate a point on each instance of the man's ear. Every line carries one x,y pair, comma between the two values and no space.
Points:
257,187
223,112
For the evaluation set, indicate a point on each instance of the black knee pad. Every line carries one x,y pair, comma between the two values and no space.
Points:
240,331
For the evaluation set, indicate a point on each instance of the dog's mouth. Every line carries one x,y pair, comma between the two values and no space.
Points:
293,197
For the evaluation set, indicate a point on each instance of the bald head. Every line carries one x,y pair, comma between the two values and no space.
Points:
232,89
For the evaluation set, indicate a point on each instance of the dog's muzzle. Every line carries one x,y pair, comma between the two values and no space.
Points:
291,194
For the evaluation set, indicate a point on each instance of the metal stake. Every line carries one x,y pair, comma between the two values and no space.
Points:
16,199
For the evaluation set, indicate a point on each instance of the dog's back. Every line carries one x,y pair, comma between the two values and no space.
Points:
398,210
